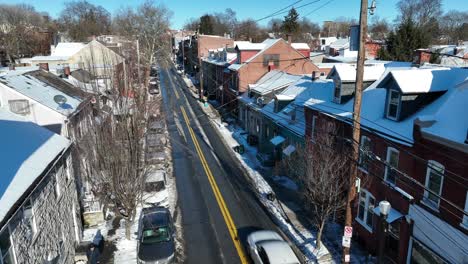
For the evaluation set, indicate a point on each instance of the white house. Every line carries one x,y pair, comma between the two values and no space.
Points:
45,99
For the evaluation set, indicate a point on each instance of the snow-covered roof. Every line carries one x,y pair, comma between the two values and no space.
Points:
347,72
27,151
49,58
246,45
235,67
300,46
267,44
283,97
373,107
427,80
273,80
67,49
340,43
298,93
451,121
42,86
277,140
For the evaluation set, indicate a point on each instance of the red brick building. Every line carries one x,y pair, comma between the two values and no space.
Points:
256,59
414,153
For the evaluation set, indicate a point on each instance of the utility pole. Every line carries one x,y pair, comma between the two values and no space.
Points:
356,126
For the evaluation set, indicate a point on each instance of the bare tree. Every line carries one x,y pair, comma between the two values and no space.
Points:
23,31
454,25
249,29
379,28
149,23
321,168
81,19
112,153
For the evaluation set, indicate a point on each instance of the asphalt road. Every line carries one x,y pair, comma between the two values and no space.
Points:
217,205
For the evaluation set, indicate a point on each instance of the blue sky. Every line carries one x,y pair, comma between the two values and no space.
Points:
184,9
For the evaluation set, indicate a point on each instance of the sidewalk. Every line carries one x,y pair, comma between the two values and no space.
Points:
287,209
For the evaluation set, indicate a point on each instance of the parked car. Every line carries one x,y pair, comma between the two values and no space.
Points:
155,181
156,236
268,247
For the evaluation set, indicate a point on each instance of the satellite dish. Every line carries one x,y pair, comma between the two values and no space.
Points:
60,99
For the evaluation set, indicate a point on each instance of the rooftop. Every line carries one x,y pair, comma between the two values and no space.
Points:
300,46
27,151
347,72
42,86
67,49
273,80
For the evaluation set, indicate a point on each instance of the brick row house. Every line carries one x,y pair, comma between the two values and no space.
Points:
213,67
196,47
254,60
39,208
413,154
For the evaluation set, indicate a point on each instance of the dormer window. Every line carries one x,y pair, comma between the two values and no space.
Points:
393,107
337,91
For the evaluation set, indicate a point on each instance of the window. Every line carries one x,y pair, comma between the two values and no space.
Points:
366,209
57,183
337,91
393,105
6,250
434,180
465,217
28,216
20,107
392,161
271,59
312,133
364,157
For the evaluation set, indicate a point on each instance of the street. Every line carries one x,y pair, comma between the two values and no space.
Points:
217,206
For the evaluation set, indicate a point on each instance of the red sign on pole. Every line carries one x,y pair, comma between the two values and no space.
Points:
348,231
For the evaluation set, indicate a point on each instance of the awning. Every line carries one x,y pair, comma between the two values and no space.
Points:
392,216
289,150
277,140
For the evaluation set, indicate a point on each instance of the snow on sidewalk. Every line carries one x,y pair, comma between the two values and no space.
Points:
304,238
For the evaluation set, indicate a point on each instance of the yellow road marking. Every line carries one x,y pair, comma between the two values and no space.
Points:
219,198
176,93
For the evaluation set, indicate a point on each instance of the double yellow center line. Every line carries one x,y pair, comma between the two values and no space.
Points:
219,198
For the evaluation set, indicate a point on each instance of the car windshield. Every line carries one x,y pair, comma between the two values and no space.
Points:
156,235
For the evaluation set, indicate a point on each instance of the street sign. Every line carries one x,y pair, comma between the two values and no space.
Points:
348,231
346,242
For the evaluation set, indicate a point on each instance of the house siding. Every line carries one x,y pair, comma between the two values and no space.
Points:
58,226
413,162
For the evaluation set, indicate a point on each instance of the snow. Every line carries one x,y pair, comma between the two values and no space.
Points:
451,121
428,80
27,151
273,80
283,97
67,49
340,44
246,45
438,235
347,72
27,84
300,46
289,150
277,140
392,215
373,108
49,58
286,182
235,67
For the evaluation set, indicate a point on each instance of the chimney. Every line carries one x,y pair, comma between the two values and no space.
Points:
11,67
44,66
66,71
314,75
289,39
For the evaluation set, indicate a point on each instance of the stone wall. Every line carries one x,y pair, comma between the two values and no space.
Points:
54,228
